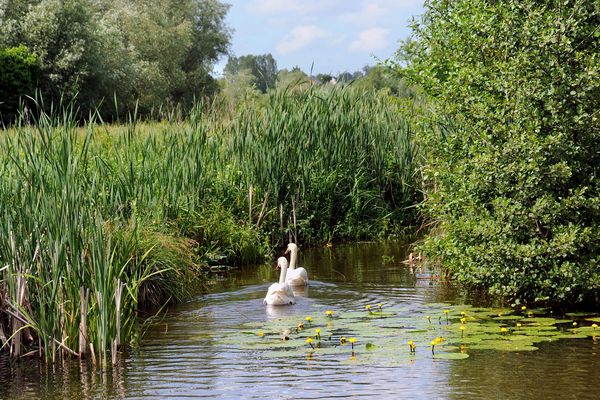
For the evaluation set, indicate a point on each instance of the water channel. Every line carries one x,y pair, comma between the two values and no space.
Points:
182,354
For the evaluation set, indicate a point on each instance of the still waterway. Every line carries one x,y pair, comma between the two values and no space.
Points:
182,354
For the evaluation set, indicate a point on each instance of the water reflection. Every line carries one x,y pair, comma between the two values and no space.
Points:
183,354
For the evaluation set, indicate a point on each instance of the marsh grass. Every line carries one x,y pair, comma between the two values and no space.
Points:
99,221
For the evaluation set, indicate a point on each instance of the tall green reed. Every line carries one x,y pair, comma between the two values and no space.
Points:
337,149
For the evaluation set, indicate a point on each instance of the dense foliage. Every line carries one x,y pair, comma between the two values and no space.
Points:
18,77
122,54
513,160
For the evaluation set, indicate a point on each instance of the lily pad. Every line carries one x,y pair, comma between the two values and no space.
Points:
450,356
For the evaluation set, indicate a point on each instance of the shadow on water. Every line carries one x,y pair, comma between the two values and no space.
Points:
182,355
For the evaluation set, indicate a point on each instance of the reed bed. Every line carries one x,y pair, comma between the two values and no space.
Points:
338,161
97,222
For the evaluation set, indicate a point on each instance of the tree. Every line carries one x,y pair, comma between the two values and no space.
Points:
512,170
295,79
210,40
262,67
324,78
62,35
239,88
18,78
349,76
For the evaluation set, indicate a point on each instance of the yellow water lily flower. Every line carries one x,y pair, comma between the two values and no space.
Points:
446,311
523,308
261,333
412,346
519,325
380,306
462,327
308,319
317,331
329,313
368,307
309,340
574,323
594,326
463,320
343,340
352,341
503,330
434,342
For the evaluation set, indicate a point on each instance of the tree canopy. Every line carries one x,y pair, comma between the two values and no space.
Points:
148,52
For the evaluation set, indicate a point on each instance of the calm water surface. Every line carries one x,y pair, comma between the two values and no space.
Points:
181,356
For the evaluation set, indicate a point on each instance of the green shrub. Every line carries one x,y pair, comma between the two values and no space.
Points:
18,78
513,160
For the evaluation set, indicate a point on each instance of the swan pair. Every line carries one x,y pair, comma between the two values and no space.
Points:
281,293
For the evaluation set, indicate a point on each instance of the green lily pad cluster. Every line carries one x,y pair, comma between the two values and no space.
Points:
393,336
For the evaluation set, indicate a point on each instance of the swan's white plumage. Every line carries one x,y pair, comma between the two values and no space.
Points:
280,293
295,276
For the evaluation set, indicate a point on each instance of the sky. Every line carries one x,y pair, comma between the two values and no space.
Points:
329,36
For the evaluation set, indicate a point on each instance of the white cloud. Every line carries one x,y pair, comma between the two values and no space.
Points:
370,40
373,12
300,37
369,14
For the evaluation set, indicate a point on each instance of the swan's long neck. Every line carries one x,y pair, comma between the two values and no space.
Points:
284,268
293,258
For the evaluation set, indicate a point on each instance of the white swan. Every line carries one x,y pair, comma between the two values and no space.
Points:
280,294
295,276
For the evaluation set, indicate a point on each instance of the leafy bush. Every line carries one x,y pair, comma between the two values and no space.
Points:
513,161
18,78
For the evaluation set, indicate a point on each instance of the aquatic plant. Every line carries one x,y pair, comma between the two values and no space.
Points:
352,340
385,334
435,342
412,346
